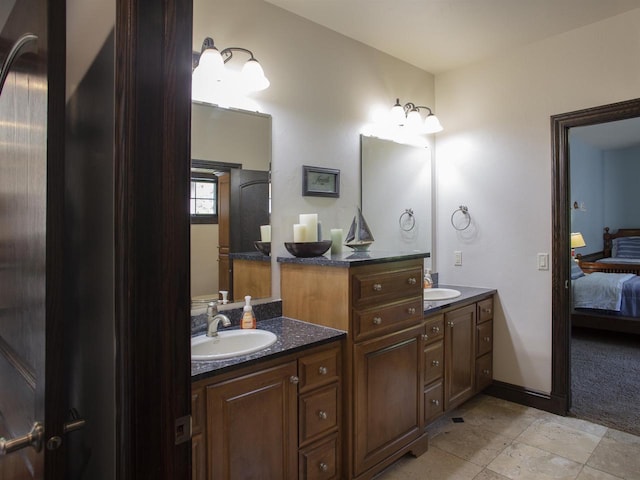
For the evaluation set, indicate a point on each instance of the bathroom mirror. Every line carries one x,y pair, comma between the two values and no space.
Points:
396,194
238,143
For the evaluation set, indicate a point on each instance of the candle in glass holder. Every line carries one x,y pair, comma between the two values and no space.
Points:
310,221
299,232
336,240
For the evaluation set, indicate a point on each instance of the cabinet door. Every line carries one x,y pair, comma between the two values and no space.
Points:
388,397
460,357
252,425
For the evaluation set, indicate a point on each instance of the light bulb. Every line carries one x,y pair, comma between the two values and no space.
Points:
253,76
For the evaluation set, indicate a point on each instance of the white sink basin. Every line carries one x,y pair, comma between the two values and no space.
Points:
440,293
230,343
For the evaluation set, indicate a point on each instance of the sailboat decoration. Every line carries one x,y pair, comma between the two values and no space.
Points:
359,236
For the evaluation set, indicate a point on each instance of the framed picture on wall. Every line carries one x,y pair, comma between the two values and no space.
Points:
320,182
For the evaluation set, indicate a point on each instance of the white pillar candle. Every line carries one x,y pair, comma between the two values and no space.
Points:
299,232
265,233
336,240
310,221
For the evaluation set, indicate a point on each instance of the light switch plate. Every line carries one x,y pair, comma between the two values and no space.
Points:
543,261
457,255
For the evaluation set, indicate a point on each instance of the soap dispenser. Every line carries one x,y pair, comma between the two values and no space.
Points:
248,318
428,281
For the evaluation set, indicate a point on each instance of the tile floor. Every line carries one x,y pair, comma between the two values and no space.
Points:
500,440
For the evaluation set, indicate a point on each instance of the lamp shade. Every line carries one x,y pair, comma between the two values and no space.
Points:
577,240
211,65
398,116
432,124
253,76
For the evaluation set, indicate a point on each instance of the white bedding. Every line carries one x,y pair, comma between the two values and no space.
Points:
599,290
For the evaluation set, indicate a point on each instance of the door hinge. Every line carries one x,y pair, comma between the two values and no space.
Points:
183,429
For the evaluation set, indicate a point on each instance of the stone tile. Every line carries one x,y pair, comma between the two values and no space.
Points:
589,473
434,464
618,454
487,474
560,439
578,424
523,462
470,443
499,416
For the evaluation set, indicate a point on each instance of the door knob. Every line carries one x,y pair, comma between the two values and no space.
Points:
31,439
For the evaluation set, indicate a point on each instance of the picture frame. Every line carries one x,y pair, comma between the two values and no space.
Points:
320,182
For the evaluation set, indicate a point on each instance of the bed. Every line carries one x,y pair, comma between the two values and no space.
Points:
606,285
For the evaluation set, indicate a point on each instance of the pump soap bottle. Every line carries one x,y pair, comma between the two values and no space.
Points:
248,318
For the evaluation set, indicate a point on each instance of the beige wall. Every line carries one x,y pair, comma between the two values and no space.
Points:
495,157
204,265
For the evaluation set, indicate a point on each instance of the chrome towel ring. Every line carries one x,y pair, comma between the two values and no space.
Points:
465,211
407,220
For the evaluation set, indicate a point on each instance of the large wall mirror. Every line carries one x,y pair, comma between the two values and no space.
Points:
396,196
235,146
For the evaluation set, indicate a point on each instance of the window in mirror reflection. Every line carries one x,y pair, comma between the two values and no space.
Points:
204,194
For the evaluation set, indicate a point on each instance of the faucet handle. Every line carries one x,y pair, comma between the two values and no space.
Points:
212,309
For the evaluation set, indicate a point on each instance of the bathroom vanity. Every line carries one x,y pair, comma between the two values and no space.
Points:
406,361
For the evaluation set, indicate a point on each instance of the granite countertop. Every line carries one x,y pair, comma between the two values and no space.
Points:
293,336
254,256
351,258
468,295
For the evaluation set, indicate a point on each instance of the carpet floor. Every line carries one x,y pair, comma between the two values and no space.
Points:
605,378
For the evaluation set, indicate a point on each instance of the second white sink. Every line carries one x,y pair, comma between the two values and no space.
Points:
440,293
230,343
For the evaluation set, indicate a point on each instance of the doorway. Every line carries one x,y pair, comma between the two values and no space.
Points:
561,205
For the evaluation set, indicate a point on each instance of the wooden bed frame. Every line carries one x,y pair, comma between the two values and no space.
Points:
589,264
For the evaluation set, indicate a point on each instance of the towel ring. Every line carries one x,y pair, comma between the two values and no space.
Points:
465,212
407,224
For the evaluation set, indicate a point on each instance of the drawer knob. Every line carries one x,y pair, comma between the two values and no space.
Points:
486,310
425,336
323,467
293,379
322,415
450,323
377,287
435,329
411,281
411,310
487,339
435,402
435,363
377,320
322,370
486,371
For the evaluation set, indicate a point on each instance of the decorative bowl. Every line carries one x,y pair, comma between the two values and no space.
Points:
263,247
307,249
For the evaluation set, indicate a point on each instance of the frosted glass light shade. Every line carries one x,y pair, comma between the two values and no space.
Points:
432,124
211,65
253,76
398,116
414,120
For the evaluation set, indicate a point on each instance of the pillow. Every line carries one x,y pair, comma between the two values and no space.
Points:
628,247
576,271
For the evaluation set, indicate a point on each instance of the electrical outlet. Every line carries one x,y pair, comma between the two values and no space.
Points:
457,255
543,261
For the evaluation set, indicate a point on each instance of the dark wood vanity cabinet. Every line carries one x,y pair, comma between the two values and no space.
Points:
460,356
277,419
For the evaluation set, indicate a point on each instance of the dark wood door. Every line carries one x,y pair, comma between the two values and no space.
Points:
249,208
224,226
459,355
388,395
252,426
30,206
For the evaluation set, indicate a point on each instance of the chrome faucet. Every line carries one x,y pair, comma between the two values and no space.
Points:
214,318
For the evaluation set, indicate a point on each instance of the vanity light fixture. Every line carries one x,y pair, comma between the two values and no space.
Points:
408,115
209,67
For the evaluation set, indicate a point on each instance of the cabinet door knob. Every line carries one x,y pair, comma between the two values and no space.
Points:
486,310
487,339
322,415
411,281
411,310
435,329
322,370
377,287
377,320
435,363
293,379
450,323
425,336
323,467
435,402
486,371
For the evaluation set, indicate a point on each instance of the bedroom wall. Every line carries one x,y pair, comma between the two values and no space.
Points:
495,157
587,188
621,174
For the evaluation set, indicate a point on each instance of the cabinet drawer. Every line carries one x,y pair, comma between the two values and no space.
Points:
484,371
318,413
434,328
388,318
484,338
318,369
433,402
388,285
485,310
433,362
320,461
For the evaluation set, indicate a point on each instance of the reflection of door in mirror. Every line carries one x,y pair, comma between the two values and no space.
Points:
396,194
237,142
